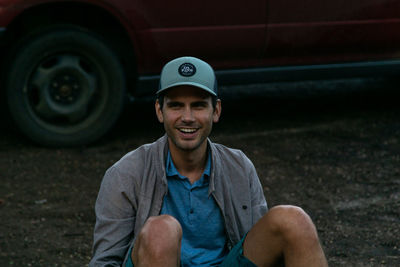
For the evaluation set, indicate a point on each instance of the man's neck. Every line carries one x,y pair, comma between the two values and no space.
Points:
190,164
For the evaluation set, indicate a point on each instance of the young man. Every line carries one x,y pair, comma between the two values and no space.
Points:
185,201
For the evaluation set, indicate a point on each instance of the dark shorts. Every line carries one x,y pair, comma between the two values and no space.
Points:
235,257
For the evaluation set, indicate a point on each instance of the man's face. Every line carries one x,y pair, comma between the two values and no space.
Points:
188,116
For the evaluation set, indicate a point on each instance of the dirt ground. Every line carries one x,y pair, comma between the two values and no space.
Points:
332,148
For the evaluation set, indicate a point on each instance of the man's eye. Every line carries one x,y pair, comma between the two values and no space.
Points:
174,105
200,105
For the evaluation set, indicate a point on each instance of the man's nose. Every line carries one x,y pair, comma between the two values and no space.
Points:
187,115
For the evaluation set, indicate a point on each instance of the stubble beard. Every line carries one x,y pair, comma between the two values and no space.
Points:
189,146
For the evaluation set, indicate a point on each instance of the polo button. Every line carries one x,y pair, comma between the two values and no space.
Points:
244,207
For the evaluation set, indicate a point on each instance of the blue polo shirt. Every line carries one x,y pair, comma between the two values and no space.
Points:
204,239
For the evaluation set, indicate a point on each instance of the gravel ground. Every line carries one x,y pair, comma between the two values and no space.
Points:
331,147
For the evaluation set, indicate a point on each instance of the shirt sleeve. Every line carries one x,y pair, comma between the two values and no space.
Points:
258,202
115,219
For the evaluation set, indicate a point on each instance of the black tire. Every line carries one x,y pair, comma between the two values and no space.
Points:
65,86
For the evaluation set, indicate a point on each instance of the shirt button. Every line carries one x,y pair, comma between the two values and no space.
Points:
191,210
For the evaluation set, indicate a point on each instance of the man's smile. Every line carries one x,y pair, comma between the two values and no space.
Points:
188,130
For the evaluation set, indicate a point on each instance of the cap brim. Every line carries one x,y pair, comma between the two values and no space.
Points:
205,88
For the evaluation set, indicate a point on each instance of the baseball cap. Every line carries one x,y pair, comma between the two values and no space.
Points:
188,71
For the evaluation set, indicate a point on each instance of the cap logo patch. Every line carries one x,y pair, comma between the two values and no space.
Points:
187,69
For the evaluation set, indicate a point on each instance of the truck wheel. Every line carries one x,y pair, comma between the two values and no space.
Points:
65,86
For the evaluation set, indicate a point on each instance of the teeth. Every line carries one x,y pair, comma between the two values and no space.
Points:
186,130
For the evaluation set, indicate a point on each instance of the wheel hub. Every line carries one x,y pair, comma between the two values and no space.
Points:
65,89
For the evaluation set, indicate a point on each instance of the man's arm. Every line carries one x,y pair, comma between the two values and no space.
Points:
115,219
258,203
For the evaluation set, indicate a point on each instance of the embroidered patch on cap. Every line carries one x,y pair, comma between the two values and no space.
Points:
187,69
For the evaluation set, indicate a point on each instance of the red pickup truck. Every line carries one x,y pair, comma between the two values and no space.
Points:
67,66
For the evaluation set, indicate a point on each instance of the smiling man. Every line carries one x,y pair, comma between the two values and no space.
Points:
186,201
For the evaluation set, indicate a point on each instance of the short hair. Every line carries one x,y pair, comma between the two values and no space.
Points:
160,98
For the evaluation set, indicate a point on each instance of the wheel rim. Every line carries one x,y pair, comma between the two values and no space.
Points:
62,91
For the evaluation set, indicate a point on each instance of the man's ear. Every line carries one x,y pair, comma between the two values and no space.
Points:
217,111
159,111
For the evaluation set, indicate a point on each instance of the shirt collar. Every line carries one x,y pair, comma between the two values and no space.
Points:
172,171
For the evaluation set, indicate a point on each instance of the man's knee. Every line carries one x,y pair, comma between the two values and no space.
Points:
292,222
159,241
160,234
161,227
